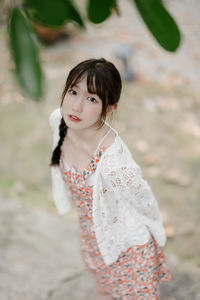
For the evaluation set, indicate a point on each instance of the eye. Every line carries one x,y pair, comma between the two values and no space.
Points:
92,99
72,92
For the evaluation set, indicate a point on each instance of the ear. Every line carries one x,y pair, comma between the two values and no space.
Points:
110,109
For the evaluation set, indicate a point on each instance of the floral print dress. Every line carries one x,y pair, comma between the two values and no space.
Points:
137,271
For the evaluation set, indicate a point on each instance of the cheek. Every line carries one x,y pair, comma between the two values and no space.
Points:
95,111
65,104
65,109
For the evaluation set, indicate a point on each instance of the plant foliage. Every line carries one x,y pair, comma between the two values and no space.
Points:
55,13
25,54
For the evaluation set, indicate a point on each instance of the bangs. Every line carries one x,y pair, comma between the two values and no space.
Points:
99,80
95,85
94,82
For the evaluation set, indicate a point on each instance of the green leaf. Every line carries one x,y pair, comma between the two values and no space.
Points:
74,14
99,10
25,54
116,8
53,13
160,23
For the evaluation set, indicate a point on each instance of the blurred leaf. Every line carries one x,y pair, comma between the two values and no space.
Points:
160,23
74,14
53,13
99,10
25,54
116,8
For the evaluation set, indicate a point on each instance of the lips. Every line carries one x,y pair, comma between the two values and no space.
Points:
74,118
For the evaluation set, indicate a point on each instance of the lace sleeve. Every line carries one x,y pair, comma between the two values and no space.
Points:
144,200
125,179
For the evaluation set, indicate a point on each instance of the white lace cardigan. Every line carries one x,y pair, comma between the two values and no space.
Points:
125,211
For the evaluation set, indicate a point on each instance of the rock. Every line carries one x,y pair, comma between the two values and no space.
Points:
151,159
168,104
190,125
152,171
170,231
165,217
142,146
176,177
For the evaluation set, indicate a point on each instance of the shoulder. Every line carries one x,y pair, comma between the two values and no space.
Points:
55,118
118,155
109,140
119,147
123,150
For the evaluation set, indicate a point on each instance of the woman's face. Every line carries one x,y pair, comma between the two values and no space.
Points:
80,109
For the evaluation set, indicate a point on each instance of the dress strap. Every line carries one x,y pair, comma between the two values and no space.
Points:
102,140
105,135
111,127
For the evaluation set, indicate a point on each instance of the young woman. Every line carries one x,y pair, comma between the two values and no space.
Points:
121,231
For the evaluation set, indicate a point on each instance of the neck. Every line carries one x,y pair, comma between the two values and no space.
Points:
87,138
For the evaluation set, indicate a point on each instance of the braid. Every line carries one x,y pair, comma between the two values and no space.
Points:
56,153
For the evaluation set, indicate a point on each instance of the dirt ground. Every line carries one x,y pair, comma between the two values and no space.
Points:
158,118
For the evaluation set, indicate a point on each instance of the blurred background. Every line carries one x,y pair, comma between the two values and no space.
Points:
159,119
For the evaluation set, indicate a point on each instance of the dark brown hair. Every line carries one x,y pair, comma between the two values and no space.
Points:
103,79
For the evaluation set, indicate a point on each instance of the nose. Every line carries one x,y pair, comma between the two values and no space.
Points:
78,104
